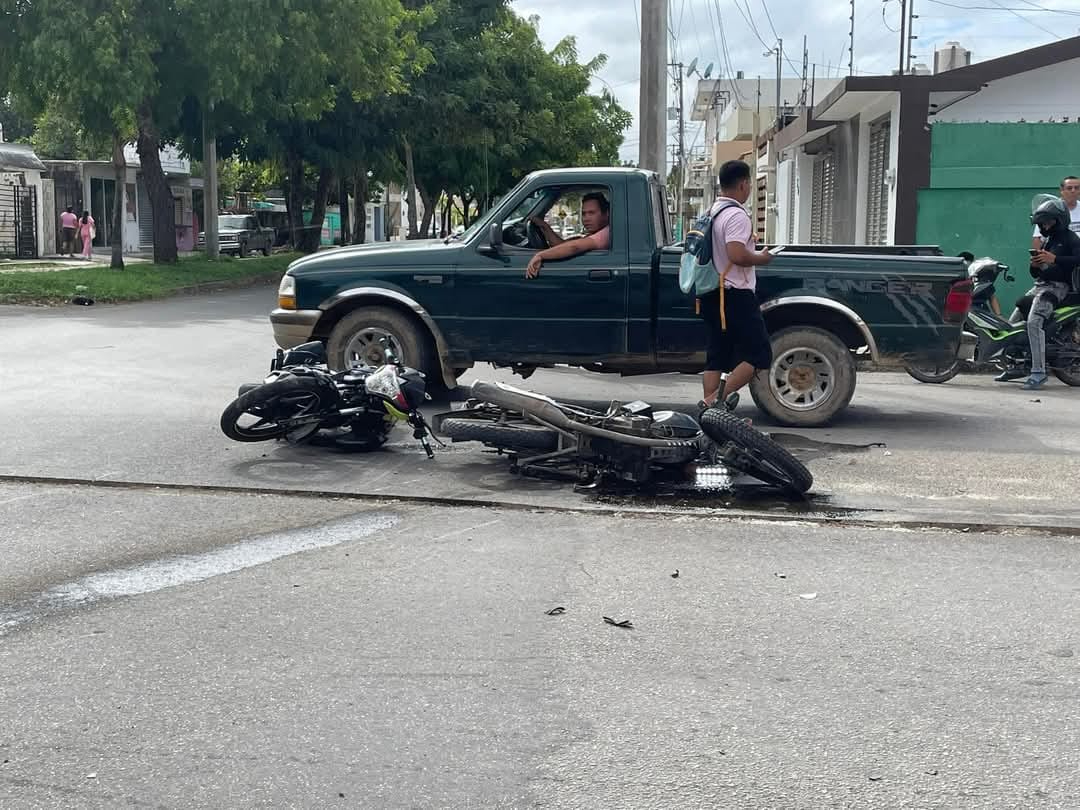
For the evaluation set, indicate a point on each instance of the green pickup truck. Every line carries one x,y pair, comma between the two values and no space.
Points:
448,304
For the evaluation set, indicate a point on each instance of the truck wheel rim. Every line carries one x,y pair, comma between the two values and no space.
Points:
365,347
802,379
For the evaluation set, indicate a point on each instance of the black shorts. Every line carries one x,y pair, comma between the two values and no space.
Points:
746,338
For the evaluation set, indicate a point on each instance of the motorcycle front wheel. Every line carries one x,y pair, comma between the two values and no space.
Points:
268,411
757,454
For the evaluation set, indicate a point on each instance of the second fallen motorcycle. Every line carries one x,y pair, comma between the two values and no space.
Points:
627,442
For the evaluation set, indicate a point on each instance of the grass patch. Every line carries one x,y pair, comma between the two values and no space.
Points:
138,281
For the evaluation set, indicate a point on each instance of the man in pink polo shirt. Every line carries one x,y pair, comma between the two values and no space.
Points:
595,217
738,340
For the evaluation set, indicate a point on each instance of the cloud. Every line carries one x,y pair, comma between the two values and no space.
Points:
612,27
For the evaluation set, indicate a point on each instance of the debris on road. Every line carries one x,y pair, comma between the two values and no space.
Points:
778,575
626,624
555,611
808,596
676,574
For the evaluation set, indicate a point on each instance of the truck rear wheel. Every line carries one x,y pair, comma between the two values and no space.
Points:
357,338
812,378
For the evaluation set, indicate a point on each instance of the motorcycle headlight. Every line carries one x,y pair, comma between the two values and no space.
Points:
385,383
286,293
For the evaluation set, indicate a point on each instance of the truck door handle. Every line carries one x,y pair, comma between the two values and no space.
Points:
428,279
599,275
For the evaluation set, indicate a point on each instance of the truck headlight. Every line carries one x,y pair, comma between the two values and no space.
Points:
286,293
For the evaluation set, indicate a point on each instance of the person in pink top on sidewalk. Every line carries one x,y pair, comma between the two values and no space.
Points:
738,340
86,233
595,216
68,223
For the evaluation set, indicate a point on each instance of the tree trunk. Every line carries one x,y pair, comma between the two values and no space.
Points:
312,234
429,210
294,197
361,185
120,183
346,215
157,187
410,191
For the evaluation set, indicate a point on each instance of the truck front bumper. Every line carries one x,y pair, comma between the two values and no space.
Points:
294,326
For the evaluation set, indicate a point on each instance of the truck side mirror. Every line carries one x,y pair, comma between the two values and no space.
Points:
495,240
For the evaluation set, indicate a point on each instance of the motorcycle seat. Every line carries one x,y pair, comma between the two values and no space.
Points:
1071,300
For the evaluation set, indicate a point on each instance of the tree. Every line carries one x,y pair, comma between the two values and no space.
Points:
59,136
15,125
496,105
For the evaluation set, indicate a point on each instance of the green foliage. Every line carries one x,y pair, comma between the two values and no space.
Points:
60,136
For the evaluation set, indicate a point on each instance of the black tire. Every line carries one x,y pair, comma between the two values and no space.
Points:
519,436
771,462
1071,375
279,399
798,341
243,250
415,348
933,376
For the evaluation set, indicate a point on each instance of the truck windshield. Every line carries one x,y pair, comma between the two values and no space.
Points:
232,222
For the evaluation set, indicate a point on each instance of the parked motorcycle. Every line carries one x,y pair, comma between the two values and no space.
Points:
301,400
628,442
990,339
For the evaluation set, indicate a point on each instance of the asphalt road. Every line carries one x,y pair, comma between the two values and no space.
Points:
171,646
134,393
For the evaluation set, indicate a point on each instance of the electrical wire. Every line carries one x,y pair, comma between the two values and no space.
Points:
1003,8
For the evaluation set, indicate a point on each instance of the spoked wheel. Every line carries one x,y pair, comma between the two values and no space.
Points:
271,410
754,453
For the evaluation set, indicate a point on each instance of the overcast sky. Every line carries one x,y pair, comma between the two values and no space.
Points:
612,27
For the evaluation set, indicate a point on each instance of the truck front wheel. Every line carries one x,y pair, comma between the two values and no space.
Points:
812,378
358,338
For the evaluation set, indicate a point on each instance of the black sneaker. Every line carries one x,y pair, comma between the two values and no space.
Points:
1010,375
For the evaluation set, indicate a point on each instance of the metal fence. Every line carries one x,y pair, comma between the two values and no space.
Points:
18,222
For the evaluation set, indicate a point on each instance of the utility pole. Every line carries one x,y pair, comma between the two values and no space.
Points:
903,34
210,182
851,43
779,73
912,16
681,191
805,65
652,113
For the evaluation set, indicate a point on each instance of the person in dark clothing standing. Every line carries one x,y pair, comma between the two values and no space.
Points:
1053,268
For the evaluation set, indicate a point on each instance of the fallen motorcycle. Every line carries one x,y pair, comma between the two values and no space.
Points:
301,400
628,442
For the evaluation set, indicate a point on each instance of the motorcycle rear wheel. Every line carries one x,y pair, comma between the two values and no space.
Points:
936,375
272,404
762,458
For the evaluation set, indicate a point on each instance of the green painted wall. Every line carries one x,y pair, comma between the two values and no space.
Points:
982,179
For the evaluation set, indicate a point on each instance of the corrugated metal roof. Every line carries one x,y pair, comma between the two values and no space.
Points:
19,156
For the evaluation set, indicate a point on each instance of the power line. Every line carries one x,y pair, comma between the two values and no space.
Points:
749,21
1025,19
1004,8
637,22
